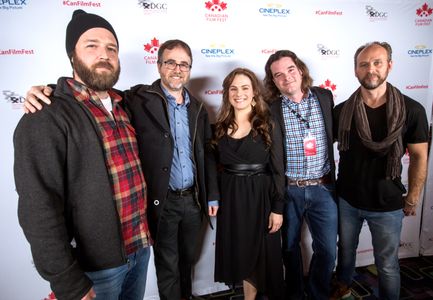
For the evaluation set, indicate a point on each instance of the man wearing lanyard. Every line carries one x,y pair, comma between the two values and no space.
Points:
304,162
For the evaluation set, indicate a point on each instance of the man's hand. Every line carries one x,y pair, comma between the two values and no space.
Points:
409,208
34,95
90,295
213,211
275,222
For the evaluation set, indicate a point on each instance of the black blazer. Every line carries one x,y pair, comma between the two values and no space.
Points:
147,106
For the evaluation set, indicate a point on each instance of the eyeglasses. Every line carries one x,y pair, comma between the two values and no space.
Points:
171,65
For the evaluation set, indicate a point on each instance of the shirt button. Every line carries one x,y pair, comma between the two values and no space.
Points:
156,202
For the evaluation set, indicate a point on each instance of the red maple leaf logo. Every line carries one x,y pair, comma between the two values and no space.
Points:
424,11
51,296
152,47
329,85
216,5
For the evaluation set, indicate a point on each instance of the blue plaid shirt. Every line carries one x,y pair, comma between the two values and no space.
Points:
300,166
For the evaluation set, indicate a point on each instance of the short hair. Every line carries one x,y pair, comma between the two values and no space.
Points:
384,45
171,44
272,91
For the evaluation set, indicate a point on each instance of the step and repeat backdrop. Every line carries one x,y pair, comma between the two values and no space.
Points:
223,34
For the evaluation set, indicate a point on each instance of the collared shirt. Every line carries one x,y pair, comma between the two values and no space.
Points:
182,167
123,165
300,166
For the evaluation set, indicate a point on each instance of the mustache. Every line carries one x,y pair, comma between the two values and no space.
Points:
103,64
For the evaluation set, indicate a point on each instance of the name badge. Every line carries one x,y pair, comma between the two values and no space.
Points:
310,148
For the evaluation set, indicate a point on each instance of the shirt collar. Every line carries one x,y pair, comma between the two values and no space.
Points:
172,100
288,102
82,92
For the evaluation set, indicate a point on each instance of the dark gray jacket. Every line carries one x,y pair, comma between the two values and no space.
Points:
147,106
65,194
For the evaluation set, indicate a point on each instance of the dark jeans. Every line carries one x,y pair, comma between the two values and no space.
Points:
175,248
317,206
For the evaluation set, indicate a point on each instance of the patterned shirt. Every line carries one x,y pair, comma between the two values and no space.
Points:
300,166
123,165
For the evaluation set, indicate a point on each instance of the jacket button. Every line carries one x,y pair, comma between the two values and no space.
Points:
166,135
156,202
165,169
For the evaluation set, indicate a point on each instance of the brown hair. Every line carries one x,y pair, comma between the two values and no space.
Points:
272,91
170,45
260,114
384,45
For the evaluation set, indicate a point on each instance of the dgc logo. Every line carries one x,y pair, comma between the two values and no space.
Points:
13,98
151,7
324,51
375,14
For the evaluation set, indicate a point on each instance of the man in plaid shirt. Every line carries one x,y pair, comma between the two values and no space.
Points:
82,194
302,157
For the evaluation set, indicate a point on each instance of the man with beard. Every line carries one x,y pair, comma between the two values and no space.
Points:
174,136
374,127
82,195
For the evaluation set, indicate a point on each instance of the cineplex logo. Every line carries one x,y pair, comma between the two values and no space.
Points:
12,4
216,51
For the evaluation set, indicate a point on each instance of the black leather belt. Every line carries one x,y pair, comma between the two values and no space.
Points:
326,179
246,169
182,192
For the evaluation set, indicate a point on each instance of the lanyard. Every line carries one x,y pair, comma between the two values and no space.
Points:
300,118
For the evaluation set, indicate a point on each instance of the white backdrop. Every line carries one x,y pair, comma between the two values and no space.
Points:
223,35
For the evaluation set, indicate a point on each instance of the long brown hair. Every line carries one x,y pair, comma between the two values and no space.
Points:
260,115
272,92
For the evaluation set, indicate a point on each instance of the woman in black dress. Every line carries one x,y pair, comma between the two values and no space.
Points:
248,245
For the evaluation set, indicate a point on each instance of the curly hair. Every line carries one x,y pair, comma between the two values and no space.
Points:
272,91
260,115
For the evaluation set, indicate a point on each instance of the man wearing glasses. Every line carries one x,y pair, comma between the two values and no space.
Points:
173,135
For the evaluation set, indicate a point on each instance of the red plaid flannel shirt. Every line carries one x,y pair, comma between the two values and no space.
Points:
123,165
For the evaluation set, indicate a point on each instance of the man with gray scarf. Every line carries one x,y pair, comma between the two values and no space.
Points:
374,128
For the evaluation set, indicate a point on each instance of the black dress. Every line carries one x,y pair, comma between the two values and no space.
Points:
244,248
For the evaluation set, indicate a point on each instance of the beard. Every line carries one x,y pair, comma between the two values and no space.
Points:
368,84
94,80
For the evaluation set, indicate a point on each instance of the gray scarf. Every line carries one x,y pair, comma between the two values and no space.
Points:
392,144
